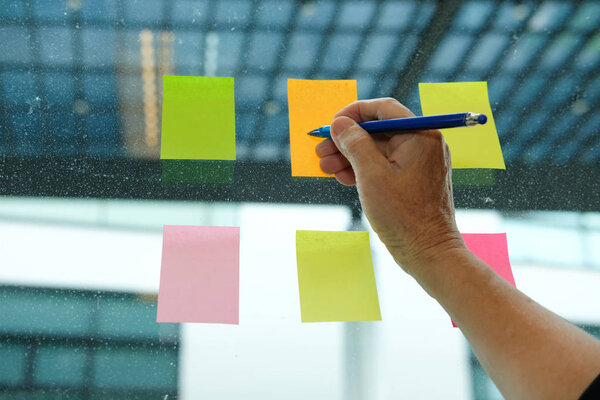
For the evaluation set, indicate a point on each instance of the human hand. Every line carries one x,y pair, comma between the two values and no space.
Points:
403,180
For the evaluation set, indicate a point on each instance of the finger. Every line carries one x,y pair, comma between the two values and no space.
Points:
368,110
356,145
334,163
346,177
326,147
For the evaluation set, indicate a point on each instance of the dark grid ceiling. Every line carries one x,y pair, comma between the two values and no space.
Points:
82,77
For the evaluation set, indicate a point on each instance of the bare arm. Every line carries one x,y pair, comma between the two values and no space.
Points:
404,184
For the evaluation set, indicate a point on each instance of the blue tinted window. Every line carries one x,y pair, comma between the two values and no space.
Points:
377,51
12,10
15,45
396,14
511,15
189,50
19,90
560,92
264,50
402,56
190,11
302,51
487,51
498,88
274,13
98,47
549,16
364,86
230,44
100,89
473,14
64,129
340,52
592,92
131,318
103,134
276,129
523,51
59,365
563,126
99,10
450,52
145,368
355,14
587,17
589,56
590,127
384,87
56,45
421,20
560,50
24,313
145,11
592,154
233,13
316,15
244,125
535,120
252,88
528,90
51,9
12,367
29,142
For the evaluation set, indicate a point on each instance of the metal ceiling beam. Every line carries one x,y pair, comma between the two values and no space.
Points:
432,35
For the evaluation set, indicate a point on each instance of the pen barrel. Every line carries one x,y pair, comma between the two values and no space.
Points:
415,123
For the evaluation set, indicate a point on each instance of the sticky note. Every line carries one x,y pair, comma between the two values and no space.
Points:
471,147
199,277
312,104
336,277
198,118
492,249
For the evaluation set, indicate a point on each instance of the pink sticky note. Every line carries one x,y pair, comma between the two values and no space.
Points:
492,249
199,277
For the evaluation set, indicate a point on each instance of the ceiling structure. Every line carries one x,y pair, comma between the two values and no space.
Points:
82,79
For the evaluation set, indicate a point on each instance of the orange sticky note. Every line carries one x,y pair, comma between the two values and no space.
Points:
312,104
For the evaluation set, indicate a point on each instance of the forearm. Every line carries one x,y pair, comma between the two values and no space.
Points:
528,351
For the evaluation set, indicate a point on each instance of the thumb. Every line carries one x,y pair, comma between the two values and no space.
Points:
354,143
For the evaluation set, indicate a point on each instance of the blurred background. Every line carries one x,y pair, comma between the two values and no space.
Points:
83,194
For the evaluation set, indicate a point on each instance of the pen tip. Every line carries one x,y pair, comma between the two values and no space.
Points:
314,132
482,119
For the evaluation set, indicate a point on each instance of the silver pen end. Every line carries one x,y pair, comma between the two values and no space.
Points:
475,119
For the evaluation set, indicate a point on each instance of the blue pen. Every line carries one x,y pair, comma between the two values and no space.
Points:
414,123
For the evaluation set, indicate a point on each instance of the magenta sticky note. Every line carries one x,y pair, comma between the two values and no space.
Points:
492,249
199,276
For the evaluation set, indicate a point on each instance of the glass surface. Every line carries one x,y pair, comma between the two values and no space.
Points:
84,196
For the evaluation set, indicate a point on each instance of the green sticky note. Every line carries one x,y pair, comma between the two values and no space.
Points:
198,118
470,147
336,277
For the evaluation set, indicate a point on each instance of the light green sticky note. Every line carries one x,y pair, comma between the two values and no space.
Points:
198,118
470,147
336,277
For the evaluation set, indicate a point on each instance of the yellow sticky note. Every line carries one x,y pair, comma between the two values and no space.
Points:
312,104
336,277
471,147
